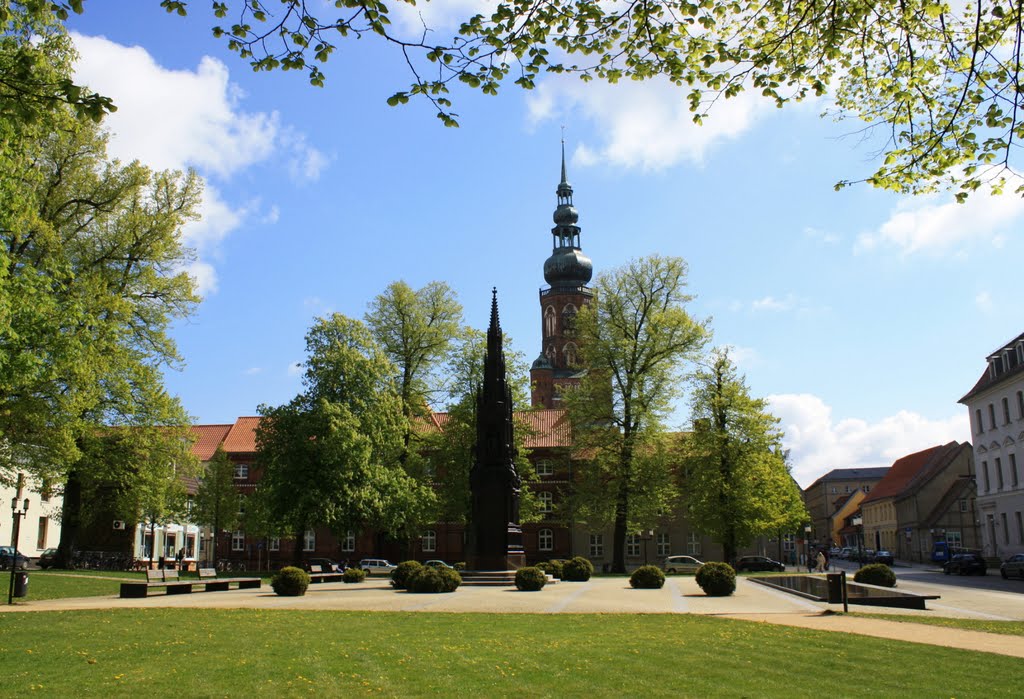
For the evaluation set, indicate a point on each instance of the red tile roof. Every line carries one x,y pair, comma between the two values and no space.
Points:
207,439
242,437
905,469
546,428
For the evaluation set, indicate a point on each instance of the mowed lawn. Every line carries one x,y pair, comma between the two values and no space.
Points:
204,652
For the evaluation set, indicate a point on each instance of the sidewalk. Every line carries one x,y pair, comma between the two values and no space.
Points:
612,595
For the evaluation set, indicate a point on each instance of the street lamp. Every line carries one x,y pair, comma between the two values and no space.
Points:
807,544
858,522
16,515
646,536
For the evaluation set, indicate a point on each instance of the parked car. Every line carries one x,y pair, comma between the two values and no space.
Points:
9,554
436,563
47,558
681,564
1014,565
885,557
845,552
966,564
326,565
377,566
756,563
834,552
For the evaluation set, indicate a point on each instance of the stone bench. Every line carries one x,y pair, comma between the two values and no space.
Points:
174,585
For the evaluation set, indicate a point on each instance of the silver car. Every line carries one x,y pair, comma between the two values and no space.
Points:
1013,566
377,566
681,564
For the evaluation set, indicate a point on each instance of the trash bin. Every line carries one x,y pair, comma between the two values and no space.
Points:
20,584
835,588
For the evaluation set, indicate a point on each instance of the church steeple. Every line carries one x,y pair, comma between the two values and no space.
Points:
567,266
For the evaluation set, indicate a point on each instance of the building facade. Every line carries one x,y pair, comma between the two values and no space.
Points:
996,408
39,525
828,494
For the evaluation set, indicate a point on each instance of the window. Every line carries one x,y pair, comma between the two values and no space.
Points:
1020,405
979,427
241,505
147,545
238,540
633,545
1014,481
984,473
170,545
44,526
789,542
664,545
835,490
429,541
545,540
847,489
1006,530
693,544
1020,528
544,468
963,505
569,353
241,472
596,545
549,321
309,540
546,500
275,543
953,539
569,319
999,472
1006,411
349,543
46,492
992,415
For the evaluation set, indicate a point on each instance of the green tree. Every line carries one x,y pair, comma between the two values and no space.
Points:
738,485
634,338
331,455
940,81
417,330
216,500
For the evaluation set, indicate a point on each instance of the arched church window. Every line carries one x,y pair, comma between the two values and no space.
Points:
569,319
549,321
569,352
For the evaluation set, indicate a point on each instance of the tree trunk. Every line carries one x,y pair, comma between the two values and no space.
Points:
622,509
71,520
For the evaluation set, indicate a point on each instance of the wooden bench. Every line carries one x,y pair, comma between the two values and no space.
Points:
208,577
316,575
173,585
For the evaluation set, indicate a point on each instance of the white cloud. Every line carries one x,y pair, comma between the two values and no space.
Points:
253,371
438,15
826,237
937,224
174,118
786,304
648,124
984,302
204,275
819,444
770,303
295,369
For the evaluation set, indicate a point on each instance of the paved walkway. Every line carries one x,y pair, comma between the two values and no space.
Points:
681,595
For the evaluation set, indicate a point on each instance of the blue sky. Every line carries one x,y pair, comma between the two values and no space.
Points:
863,316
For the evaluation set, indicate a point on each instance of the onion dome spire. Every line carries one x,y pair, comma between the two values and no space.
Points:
567,266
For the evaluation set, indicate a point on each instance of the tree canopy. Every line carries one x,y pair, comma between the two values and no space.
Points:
940,80
738,484
635,338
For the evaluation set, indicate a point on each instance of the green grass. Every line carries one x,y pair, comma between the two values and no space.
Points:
209,652
1007,628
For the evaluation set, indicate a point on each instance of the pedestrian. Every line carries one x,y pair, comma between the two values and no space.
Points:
820,567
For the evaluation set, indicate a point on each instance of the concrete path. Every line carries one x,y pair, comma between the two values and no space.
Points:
681,595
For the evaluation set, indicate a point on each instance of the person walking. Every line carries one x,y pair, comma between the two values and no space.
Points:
820,561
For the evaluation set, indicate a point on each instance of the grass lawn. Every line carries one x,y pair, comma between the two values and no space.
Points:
61,584
208,652
1008,628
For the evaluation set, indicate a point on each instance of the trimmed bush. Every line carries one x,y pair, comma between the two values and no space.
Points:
461,565
716,579
552,567
577,569
353,575
405,570
876,574
647,578
290,582
531,579
433,580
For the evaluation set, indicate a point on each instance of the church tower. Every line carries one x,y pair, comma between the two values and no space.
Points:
567,272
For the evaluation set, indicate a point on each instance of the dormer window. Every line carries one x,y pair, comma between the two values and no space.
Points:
995,366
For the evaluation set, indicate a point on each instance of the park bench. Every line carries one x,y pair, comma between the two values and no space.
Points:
317,575
174,585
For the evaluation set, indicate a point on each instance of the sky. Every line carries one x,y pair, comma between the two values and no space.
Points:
861,316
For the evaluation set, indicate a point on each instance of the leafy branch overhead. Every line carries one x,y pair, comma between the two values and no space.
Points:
940,82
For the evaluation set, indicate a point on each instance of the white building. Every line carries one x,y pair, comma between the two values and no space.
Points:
40,525
996,405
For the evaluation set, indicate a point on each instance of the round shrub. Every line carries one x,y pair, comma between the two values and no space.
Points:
433,580
552,567
405,570
716,579
647,578
876,574
577,569
530,579
290,582
461,565
353,575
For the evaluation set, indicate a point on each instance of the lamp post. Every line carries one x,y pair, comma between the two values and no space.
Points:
646,536
858,521
807,544
16,515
